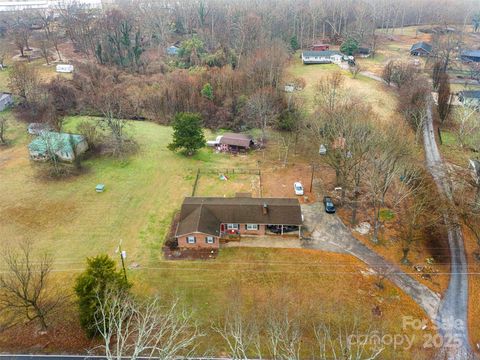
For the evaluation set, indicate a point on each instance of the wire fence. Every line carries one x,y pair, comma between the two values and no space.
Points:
227,171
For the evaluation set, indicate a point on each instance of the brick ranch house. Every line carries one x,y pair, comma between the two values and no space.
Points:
205,220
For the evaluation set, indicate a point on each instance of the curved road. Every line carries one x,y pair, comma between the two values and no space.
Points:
452,314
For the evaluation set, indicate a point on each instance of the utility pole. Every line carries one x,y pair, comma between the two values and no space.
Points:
123,255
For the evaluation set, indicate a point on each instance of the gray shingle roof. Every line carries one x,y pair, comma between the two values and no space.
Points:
421,45
321,53
205,214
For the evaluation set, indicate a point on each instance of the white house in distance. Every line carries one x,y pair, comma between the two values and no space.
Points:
17,5
322,57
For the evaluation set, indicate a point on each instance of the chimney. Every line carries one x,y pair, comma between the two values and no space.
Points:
265,209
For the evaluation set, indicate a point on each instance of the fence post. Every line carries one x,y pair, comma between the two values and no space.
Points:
196,182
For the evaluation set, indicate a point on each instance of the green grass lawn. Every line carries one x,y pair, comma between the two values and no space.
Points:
71,219
4,80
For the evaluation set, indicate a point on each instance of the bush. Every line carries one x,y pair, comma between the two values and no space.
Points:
90,132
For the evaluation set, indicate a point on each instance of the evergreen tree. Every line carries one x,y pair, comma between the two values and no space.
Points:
294,43
91,286
187,133
349,46
207,91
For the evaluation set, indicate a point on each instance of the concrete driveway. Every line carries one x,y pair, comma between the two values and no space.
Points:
328,233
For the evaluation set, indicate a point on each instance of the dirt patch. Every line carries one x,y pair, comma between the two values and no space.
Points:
278,181
227,183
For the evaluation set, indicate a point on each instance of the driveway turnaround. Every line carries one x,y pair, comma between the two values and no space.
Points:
329,231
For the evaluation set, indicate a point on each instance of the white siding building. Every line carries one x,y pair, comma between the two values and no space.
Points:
17,5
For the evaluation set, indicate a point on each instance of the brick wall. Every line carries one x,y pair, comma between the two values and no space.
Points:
200,241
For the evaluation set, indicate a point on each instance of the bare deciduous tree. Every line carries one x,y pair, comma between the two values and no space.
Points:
132,329
24,287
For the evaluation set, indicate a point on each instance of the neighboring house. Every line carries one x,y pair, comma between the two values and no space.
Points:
421,49
321,57
6,100
469,97
37,128
58,143
320,47
18,5
235,142
470,56
205,220
172,50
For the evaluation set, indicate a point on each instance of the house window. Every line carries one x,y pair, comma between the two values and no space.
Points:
232,226
191,239
209,240
252,227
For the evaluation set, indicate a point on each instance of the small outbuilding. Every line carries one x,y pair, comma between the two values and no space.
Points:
6,100
235,142
470,56
64,146
421,49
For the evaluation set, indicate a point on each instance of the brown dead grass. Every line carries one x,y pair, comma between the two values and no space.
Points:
435,276
316,286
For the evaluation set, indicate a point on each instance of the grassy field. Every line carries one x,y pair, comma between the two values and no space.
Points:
71,220
379,96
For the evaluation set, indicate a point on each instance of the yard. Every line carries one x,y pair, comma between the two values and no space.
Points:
73,221
378,95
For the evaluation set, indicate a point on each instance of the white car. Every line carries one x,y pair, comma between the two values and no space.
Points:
298,188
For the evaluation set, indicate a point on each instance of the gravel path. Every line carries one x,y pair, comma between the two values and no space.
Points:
452,314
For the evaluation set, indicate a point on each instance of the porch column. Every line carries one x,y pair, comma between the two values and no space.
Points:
282,230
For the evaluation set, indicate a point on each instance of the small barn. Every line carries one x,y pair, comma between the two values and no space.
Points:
421,49
470,56
64,146
6,100
321,57
235,142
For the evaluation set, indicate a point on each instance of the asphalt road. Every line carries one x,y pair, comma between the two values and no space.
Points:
452,314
